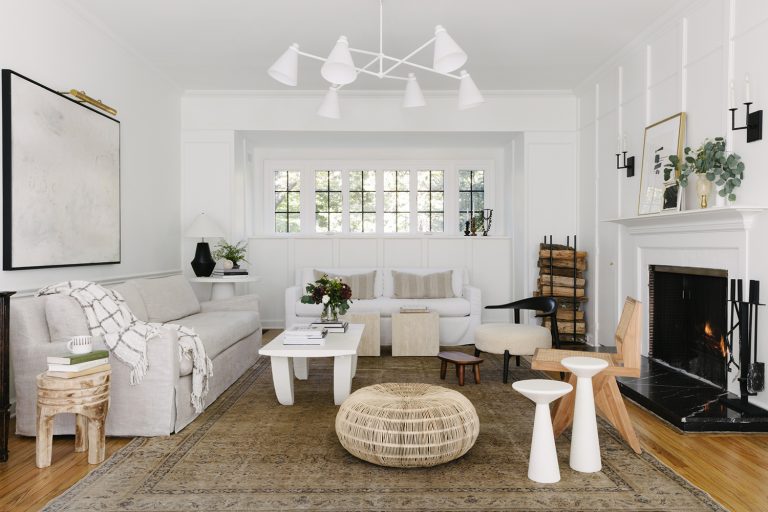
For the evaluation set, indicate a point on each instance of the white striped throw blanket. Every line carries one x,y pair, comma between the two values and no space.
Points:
126,336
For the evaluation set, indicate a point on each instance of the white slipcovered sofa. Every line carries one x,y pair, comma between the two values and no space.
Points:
459,315
229,329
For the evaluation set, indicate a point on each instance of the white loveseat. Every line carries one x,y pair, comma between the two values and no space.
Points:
230,330
459,315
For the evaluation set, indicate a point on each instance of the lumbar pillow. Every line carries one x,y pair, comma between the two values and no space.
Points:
429,286
360,284
65,318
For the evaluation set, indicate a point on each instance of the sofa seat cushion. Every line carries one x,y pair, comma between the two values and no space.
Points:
218,330
519,339
453,307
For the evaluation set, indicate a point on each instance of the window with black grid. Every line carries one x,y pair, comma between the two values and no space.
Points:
287,201
430,194
397,201
328,201
471,196
362,201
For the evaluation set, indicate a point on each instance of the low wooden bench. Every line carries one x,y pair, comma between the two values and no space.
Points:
460,359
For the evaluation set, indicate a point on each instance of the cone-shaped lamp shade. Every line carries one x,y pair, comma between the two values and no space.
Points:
330,106
339,68
413,96
204,227
286,69
469,94
448,55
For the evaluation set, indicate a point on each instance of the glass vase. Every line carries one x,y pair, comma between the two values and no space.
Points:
330,313
703,189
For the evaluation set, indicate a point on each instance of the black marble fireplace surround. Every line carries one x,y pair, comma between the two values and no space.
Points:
684,378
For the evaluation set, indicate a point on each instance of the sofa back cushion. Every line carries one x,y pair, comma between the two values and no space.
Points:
428,286
167,298
458,278
65,318
307,275
362,285
130,292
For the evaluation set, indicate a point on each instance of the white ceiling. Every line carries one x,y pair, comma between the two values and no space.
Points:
512,44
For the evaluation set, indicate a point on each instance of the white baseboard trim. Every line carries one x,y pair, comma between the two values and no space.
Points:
111,280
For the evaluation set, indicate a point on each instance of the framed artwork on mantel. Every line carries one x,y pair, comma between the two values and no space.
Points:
658,192
61,179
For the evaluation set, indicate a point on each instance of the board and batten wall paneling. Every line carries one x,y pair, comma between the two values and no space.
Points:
277,258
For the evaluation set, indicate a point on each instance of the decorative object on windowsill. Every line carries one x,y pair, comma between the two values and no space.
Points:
477,223
710,163
466,228
231,253
754,120
629,163
334,295
203,227
487,219
561,276
660,191
339,69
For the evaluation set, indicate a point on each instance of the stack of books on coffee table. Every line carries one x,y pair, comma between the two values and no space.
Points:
332,326
69,366
304,335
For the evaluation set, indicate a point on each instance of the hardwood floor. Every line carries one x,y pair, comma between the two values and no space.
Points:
732,468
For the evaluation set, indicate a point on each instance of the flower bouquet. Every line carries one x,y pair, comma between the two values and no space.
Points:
332,294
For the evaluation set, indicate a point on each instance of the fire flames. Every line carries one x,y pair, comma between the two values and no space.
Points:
721,344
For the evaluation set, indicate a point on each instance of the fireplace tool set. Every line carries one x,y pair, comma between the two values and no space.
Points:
751,373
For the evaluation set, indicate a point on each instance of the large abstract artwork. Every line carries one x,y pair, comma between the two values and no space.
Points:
61,179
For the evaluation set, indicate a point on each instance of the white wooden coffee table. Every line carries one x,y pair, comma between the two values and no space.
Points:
291,360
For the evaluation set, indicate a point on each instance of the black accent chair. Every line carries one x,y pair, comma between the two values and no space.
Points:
547,306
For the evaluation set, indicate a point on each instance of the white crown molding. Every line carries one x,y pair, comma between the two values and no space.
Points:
367,93
707,220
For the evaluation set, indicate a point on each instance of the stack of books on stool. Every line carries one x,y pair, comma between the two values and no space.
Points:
304,335
331,326
70,366
230,272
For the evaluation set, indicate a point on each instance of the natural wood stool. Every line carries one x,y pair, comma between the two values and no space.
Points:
88,398
460,359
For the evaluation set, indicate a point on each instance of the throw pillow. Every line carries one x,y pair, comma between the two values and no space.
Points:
167,298
65,318
429,286
361,284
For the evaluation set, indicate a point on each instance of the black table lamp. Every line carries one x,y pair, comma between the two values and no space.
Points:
203,228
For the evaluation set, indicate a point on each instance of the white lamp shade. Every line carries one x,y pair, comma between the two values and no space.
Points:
330,106
448,55
469,94
413,96
286,69
204,227
339,68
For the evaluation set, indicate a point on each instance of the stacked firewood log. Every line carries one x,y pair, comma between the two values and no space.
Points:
561,275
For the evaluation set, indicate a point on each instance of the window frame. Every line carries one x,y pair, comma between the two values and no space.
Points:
308,167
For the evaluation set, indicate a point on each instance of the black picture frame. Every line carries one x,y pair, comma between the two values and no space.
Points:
105,255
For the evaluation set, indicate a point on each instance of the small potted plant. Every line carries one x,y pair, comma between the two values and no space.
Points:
711,164
233,253
332,294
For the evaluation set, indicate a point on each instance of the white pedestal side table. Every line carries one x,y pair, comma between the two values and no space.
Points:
224,287
542,464
585,445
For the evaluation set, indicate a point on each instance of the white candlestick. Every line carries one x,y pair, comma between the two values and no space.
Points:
747,90
731,95
618,144
624,143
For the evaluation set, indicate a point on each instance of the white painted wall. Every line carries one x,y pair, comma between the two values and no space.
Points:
64,50
682,63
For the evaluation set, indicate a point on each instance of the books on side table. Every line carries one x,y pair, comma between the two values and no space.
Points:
69,366
305,335
231,272
332,326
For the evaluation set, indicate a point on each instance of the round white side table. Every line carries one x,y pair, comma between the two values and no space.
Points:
542,463
224,287
585,445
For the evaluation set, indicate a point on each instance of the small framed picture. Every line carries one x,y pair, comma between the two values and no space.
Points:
659,191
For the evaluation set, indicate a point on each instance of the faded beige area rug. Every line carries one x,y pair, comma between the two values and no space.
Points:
247,452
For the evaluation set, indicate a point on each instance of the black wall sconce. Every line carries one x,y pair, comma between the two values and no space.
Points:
629,163
754,125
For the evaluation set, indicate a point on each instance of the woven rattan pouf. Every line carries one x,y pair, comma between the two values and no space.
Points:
407,425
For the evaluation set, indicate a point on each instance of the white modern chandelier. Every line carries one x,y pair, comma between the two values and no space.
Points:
339,69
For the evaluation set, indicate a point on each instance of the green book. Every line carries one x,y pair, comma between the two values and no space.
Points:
78,358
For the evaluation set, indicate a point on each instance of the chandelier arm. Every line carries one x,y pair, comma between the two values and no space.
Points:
365,52
425,68
398,62
381,36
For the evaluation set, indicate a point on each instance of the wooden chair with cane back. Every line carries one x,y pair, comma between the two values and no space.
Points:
624,363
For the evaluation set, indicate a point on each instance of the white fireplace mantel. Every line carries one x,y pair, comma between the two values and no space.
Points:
727,218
